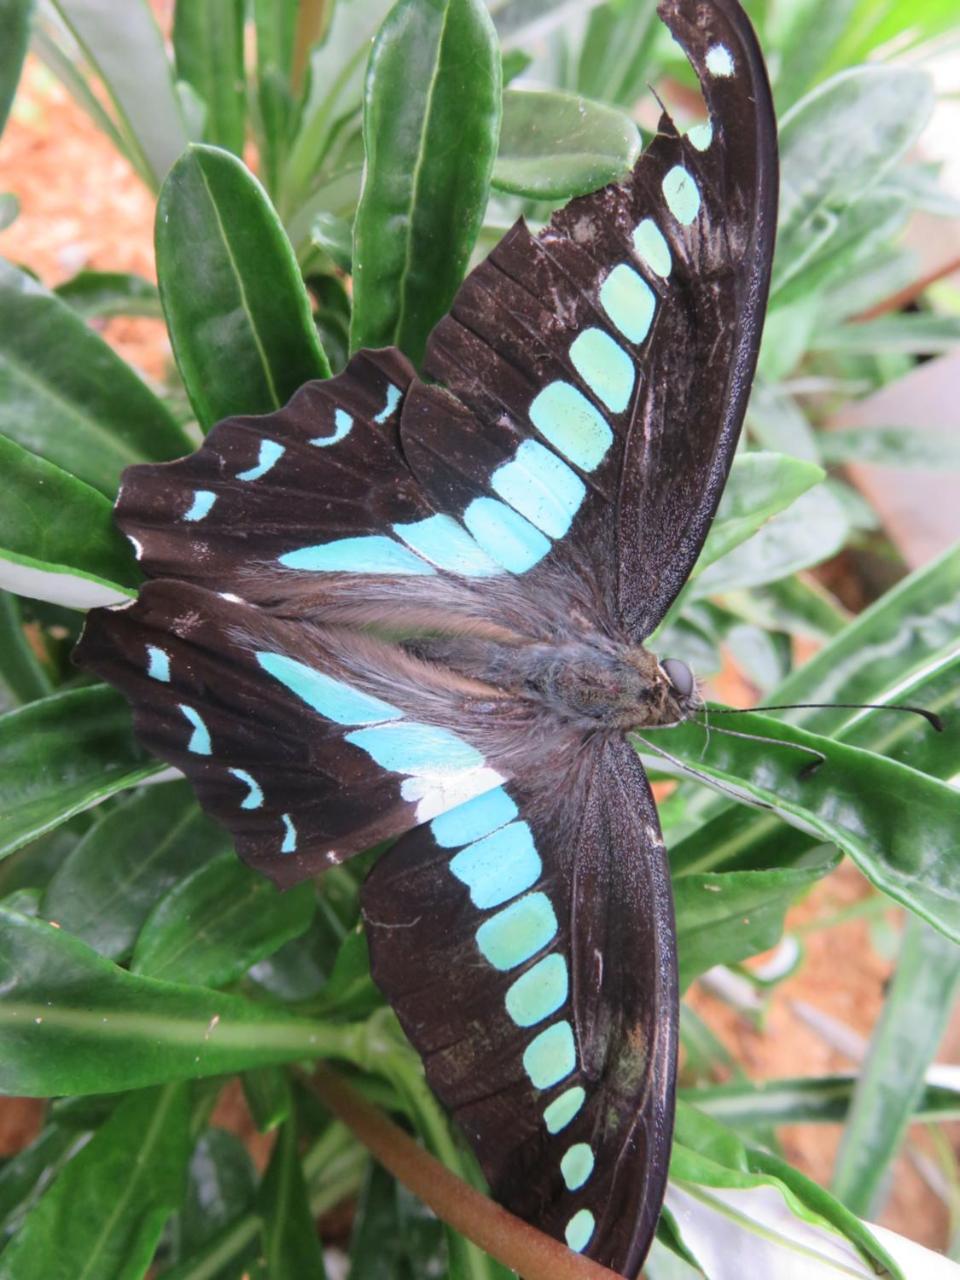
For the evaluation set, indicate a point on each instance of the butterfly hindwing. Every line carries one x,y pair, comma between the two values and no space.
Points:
524,940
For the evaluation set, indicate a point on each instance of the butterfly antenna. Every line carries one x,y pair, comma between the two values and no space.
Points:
930,716
703,777
774,742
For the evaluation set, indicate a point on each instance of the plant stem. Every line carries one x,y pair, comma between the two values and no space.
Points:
514,1243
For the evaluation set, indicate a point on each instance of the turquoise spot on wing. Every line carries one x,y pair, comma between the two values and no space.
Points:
409,747
498,867
651,246
199,742
701,135
393,399
576,1165
342,422
372,554
270,455
541,487
334,699
473,820
538,992
605,367
289,835
720,61
445,543
551,1056
563,1109
203,500
565,417
504,535
254,797
158,666
579,1230
681,194
518,932
629,302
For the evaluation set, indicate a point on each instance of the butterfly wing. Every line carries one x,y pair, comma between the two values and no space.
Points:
525,941
623,338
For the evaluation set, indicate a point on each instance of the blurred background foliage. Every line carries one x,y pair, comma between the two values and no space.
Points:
325,173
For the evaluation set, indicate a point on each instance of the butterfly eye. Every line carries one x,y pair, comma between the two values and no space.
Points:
679,675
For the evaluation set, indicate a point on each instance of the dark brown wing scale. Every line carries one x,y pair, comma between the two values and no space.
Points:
328,572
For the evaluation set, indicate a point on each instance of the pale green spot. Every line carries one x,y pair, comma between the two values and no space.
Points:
681,194
651,247
563,1109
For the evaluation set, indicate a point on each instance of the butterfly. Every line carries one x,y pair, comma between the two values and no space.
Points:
415,610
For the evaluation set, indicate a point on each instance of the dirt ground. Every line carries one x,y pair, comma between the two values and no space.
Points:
82,206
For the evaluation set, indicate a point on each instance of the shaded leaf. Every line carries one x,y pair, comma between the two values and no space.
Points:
238,314
221,1186
103,1215
101,294
208,44
615,57
15,19
290,1244
61,755
430,126
21,671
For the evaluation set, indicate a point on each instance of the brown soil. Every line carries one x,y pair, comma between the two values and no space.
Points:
82,206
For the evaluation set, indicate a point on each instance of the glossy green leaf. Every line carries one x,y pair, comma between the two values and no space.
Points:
221,1186
212,926
67,397
208,44
101,294
615,57
61,755
835,145
916,1010
238,314
73,1023
898,825
290,1244
720,1194
810,530
102,1217
724,918
25,1175
125,46
557,145
15,20
57,537
22,673
430,127
805,1100
127,862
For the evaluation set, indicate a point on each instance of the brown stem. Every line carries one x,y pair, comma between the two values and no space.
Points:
311,21
909,294
514,1243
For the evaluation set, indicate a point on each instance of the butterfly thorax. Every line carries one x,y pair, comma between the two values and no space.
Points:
593,681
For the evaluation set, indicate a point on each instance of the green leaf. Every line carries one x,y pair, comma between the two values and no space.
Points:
73,1023
615,57
9,209
806,46
805,1100
212,926
102,1217
796,605
557,145
21,672
61,755
394,1236
221,1186
97,295
290,1245
898,825
238,314
15,19
67,397
125,864
267,1092
430,126
915,1013
891,447
57,537
126,48
835,145
26,1175
208,44
724,918
275,22
919,333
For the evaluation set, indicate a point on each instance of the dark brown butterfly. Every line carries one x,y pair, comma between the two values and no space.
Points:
417,610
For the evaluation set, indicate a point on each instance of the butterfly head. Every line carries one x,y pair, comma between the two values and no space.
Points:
679,696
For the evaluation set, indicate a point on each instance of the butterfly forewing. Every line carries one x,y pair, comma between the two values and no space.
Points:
525,941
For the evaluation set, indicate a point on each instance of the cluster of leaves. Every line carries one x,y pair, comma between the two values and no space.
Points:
172,967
